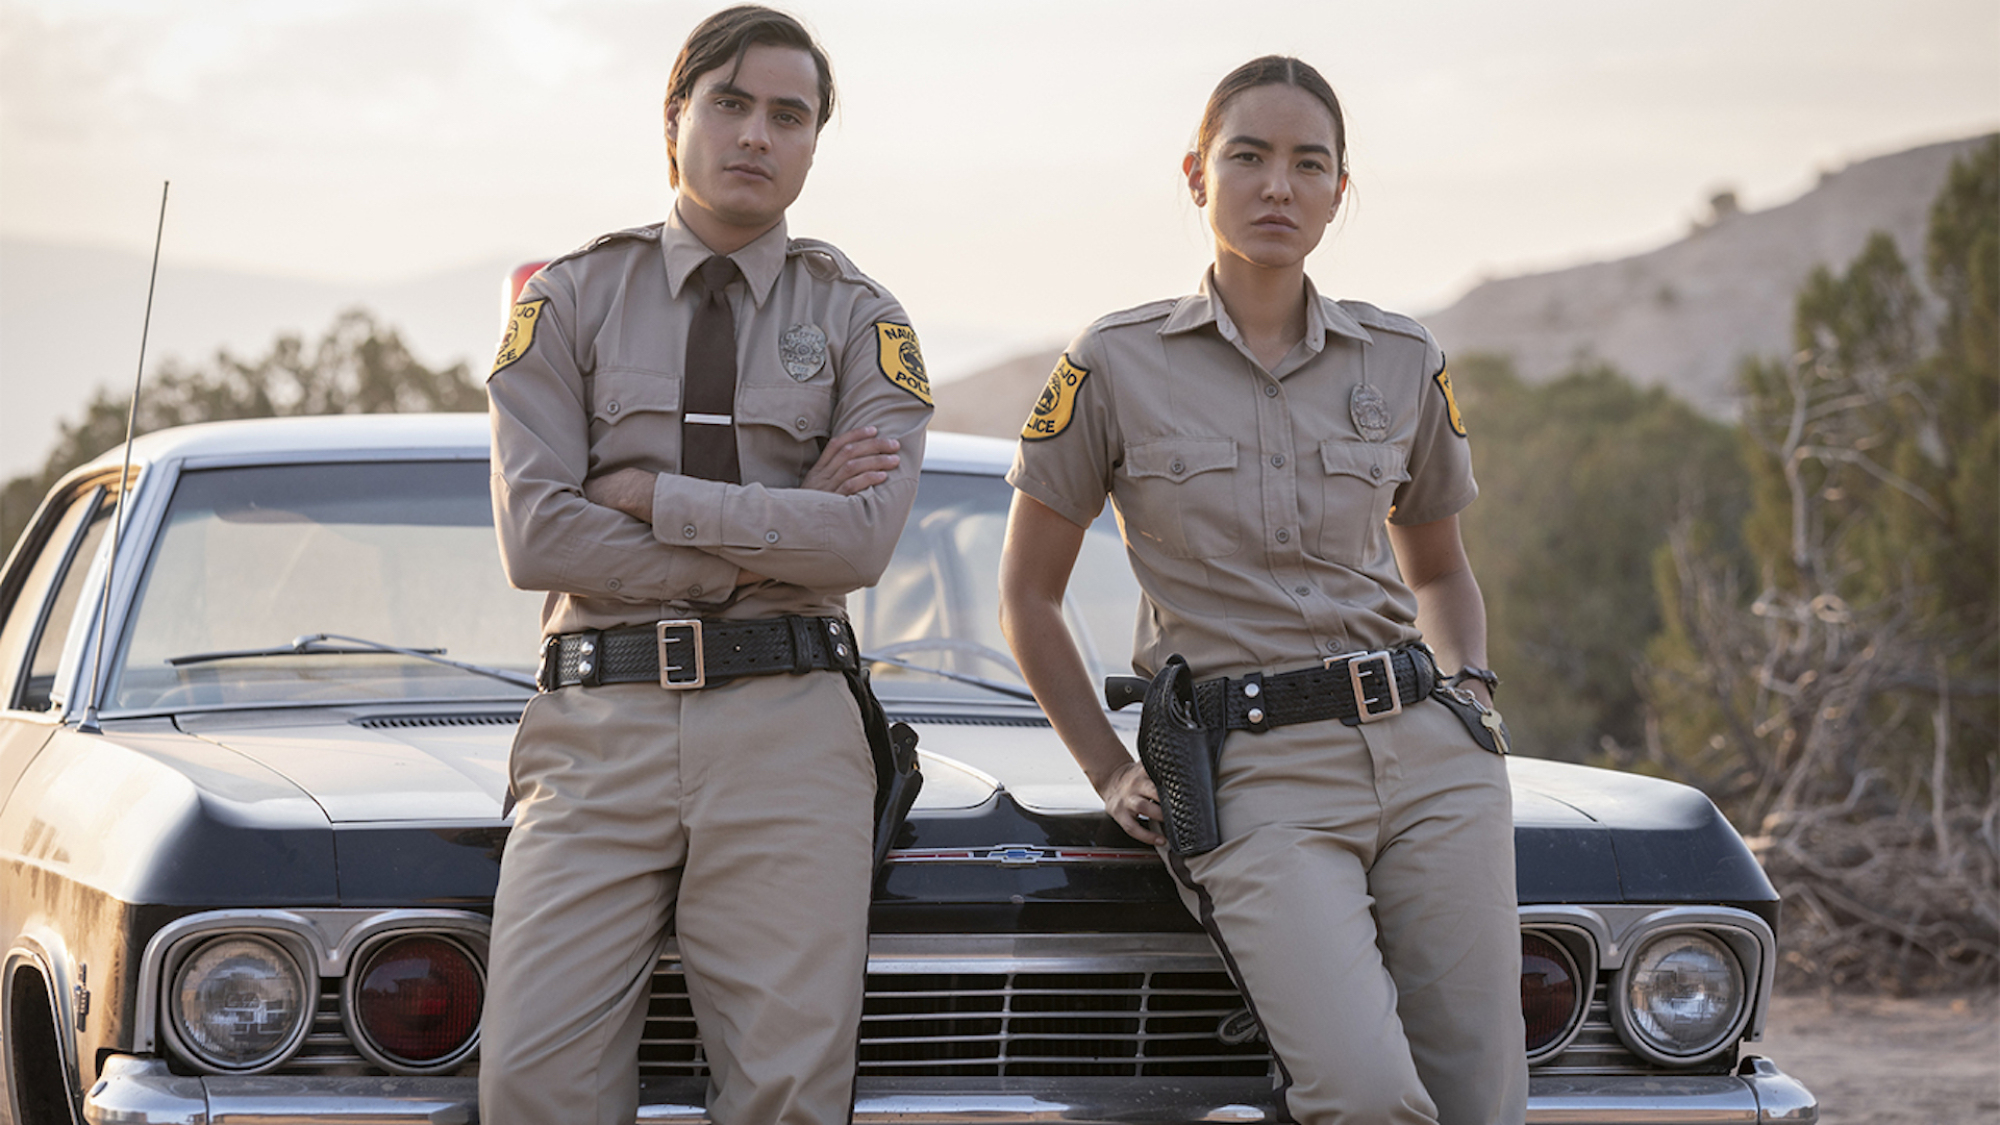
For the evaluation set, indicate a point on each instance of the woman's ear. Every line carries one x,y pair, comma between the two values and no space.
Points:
1339,194
1196,178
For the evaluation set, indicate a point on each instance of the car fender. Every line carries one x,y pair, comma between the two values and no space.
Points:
43,950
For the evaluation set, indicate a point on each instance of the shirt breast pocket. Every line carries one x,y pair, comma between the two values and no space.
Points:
1355,496
634,420
780,431
1184,492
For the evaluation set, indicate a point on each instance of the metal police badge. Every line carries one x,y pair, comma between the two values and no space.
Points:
1370,412
802,349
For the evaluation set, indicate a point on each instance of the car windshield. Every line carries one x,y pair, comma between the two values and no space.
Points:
403,554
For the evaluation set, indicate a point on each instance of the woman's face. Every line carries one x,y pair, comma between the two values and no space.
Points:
1270,181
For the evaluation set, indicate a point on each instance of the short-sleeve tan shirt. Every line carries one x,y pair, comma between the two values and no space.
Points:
1253,502
589,381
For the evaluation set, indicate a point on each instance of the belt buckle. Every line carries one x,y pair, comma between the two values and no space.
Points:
1379,667
689,672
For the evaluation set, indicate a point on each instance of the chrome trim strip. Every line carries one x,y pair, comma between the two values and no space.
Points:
1022,855
141,1092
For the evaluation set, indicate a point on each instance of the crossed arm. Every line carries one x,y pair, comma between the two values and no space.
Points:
852,462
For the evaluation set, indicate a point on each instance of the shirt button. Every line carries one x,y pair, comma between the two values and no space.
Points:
613,584
801,423
1284,536
688,531
611,407
1375,471
770,537
1278,460
1176,467
1302,591
1333,646
694,591
1270,390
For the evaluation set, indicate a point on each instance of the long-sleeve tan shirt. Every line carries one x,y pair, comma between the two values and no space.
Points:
588,381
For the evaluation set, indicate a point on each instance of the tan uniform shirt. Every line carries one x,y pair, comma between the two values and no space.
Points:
1253,502
589,380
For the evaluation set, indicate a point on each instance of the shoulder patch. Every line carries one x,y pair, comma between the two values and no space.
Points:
825,261
520,335
1058,402
902,361
1443,381
1152,310
1373,318
640,234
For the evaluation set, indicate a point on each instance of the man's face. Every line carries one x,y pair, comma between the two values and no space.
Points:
744,142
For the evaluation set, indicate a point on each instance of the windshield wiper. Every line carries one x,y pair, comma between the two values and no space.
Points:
314,644
959,677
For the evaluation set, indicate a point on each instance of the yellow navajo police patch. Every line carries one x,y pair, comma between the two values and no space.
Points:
1052,411
520,334
902,360
1443,380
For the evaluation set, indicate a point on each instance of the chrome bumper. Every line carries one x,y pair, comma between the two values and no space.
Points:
136,1091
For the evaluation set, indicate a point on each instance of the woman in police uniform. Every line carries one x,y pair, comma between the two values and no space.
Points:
1289,471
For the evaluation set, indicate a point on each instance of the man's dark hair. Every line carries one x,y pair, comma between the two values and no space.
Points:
721,40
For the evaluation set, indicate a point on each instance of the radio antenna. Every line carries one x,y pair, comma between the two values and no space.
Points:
89,723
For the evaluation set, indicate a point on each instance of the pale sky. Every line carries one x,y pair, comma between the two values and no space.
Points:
1010,170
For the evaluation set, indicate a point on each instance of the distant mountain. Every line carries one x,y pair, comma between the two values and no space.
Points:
70,319
1683,316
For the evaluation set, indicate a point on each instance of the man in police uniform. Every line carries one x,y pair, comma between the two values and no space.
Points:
704,435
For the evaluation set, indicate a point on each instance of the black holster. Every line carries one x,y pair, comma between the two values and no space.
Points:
897,778
1179,753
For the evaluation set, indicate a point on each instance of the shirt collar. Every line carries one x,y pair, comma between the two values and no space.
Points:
683,252
1205,307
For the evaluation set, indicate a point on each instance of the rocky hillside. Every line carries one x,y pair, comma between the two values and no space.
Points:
1684,315
1687,314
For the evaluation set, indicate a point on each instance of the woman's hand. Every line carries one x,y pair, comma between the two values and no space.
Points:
1129,794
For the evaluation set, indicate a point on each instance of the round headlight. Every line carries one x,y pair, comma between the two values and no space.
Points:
416,1003
1551,994
1684,996
240,1003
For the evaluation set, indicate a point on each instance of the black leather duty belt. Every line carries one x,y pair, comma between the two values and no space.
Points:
681,655
1356,689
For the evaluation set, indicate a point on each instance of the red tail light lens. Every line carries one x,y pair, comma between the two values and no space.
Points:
417,1001
1550,991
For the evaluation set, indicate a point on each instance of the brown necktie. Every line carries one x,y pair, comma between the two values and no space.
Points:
708,401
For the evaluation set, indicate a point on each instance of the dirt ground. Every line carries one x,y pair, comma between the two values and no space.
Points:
1880,1061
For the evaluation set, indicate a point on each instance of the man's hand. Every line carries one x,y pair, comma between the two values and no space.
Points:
627,490
853,461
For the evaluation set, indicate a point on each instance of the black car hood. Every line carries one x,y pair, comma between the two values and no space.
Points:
995,779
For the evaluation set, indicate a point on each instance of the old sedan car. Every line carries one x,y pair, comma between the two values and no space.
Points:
247,854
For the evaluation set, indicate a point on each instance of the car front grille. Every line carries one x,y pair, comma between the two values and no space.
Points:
1008,1024
1011,1021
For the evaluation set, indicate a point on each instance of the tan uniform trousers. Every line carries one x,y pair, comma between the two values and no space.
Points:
1364,897
743,814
